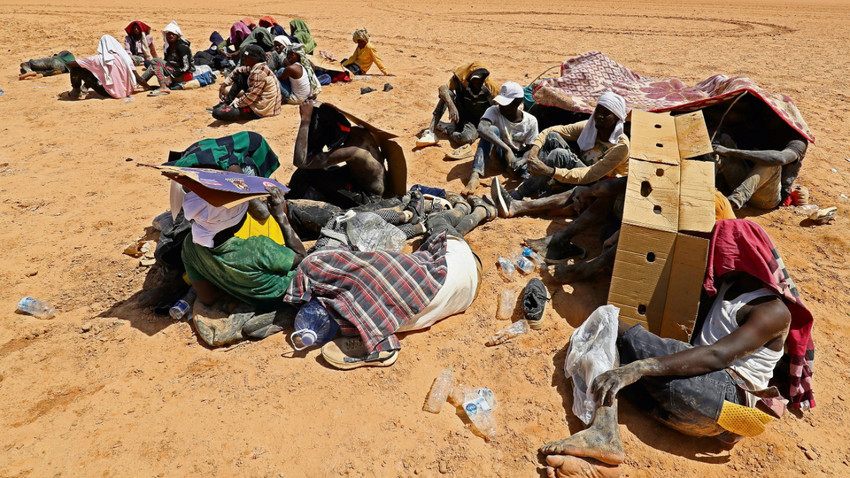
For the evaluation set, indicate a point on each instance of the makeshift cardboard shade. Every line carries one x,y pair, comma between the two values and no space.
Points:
394,157
219,188
660,265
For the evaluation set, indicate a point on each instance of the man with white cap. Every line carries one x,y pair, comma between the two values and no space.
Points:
603,152
507,127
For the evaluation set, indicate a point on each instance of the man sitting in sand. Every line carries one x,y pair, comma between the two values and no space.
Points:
602,152
713,388
758,155
467,95
254,91
506,132
350,173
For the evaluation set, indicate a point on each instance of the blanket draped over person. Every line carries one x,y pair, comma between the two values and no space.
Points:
238,32
299,30
249,22
584,77
464,72
210,220
742,245
112,67
130,42
246,149
372,293
613,103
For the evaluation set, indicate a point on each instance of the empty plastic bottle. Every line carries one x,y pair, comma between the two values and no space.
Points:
524,264
507,303
36,308
535,257
183,307
506,269
478,404
502,336
439,392
313,326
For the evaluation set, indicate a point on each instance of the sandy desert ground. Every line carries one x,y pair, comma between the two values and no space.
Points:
109,389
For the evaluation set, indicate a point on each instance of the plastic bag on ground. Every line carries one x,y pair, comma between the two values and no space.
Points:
593,350
368,232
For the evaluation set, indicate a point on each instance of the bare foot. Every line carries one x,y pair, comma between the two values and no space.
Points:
538,245
570,273
472,185
556,248
563,466
597,443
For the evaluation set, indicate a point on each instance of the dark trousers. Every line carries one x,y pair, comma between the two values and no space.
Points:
229,113
240,84
80,76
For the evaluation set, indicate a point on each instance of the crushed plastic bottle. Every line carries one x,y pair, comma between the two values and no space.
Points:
507,303
807,210
478,404
36,308
313,326
182,309
439,392
535,257
368,232
516,329
506,269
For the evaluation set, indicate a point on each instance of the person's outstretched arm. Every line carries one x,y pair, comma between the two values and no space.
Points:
794,150
320,160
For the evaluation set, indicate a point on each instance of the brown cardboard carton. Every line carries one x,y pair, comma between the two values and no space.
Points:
659,267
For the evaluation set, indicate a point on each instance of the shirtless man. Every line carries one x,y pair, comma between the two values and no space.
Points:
350,173
689,385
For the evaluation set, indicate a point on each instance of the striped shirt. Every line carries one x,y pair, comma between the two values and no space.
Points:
372,293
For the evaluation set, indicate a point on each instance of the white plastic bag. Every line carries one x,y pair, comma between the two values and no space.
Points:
368,232
593,350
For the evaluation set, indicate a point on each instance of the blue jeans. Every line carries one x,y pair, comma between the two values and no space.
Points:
482,154
556,153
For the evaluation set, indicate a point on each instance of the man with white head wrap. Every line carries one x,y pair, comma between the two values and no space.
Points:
176,61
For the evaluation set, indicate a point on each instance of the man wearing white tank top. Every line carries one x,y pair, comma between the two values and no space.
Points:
741,340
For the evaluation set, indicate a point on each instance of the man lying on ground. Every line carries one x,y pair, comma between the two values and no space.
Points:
110,73
603,151
36,68
713,388
350,173
506,132
758,155
251,91
467,95
374,295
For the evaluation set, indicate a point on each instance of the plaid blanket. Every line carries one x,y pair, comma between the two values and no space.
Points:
588,75
372,293
742,245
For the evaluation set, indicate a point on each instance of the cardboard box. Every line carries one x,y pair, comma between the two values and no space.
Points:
660,263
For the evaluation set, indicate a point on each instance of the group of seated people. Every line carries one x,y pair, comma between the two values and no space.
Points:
748,309
264,66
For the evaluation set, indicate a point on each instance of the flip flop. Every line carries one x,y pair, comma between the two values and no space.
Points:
66,95
346,353
428,138
464,151
159,93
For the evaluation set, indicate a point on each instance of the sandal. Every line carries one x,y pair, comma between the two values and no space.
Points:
346,353
476,201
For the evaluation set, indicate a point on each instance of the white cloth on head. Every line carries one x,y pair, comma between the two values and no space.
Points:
170,28
615,104
175,198
210,220
109,50
283,40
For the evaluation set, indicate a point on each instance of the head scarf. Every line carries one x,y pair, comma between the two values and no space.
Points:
613,103
110,51
283,40
298,49
301,33
144,28
210,220
215,39
249,22
269,19
463,72
238,32
360,34
170,28
146,51
742,245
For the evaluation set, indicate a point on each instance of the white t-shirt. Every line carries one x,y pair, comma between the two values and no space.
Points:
515,135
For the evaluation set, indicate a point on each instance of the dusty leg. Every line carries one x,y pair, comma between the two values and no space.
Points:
603,264
558,246
601,441
557,202
564,466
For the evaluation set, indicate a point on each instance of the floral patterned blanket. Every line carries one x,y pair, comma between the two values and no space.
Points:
585,77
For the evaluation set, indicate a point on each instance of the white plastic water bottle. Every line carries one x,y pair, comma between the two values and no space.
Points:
507,303
439,392
506,268
183,307
516,329
524,264
479,404
313,326
535,257
36,308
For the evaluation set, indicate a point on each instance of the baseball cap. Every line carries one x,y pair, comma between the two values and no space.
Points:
509,91
255,52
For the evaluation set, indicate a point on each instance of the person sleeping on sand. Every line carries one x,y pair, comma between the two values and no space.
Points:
506,132
719,385
350,173
36,68
602,151
110,73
